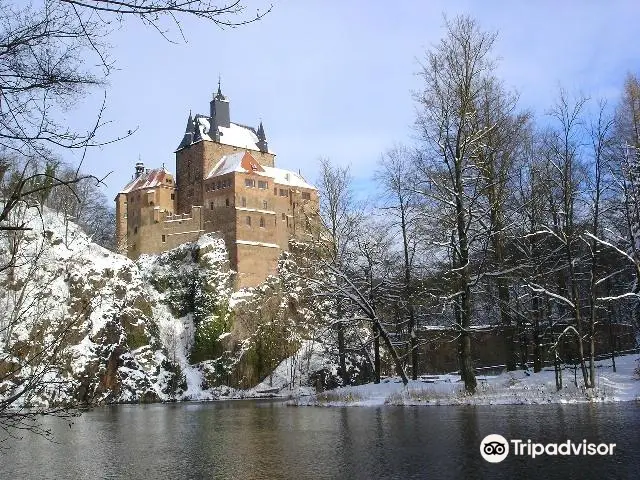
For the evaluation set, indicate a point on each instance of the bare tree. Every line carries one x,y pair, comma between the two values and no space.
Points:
454,74
339,218
48,57
497,163
394,175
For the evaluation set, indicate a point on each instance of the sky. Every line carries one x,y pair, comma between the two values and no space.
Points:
336,79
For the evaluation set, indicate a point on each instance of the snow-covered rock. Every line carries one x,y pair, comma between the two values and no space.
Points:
167,327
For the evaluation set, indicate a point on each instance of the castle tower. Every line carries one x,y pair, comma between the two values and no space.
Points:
219,114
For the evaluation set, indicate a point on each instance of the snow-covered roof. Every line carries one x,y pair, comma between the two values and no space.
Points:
152,178
286,177
235,135
243,162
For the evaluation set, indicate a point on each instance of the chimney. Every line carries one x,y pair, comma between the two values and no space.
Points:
139,169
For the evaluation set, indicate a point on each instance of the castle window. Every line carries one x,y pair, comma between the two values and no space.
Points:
226,201
135,229
210,205
284,193
265,204
262,185
249,182
262,222
244,201
248,221
284,217
306,196
164,238
173,196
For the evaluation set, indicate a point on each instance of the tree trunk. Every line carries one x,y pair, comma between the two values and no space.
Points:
466,363
376,354
507,330
342,357
612,340
537,340
392,350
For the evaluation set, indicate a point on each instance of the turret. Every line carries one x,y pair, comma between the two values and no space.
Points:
188,133
139,169
262,139
219,111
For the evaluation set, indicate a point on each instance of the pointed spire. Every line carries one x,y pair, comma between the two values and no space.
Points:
190,127
189,132
262,139
219,95
260,133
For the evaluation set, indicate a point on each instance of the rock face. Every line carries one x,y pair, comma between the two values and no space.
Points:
106,329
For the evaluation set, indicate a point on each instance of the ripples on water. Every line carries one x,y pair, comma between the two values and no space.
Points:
268,440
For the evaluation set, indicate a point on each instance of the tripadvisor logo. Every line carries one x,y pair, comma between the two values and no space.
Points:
495,448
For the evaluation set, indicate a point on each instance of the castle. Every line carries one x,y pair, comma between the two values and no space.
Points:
226,181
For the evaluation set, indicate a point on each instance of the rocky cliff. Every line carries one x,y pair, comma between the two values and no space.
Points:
92,326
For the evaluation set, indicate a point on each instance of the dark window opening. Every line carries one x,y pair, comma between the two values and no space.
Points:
262,222
164,238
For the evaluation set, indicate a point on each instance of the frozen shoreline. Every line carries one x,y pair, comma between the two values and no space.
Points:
508,388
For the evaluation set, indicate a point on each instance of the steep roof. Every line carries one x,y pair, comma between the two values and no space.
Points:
236,135
154,177
243,162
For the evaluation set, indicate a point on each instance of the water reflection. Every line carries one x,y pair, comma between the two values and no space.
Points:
267,440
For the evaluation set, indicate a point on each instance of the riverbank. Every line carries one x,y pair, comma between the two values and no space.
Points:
519,387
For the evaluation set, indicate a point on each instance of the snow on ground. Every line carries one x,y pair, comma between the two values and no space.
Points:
507,388
291,376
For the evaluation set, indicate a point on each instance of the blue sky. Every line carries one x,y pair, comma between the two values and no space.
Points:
335,79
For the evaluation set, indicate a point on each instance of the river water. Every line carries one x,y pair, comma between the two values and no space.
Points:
269,440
